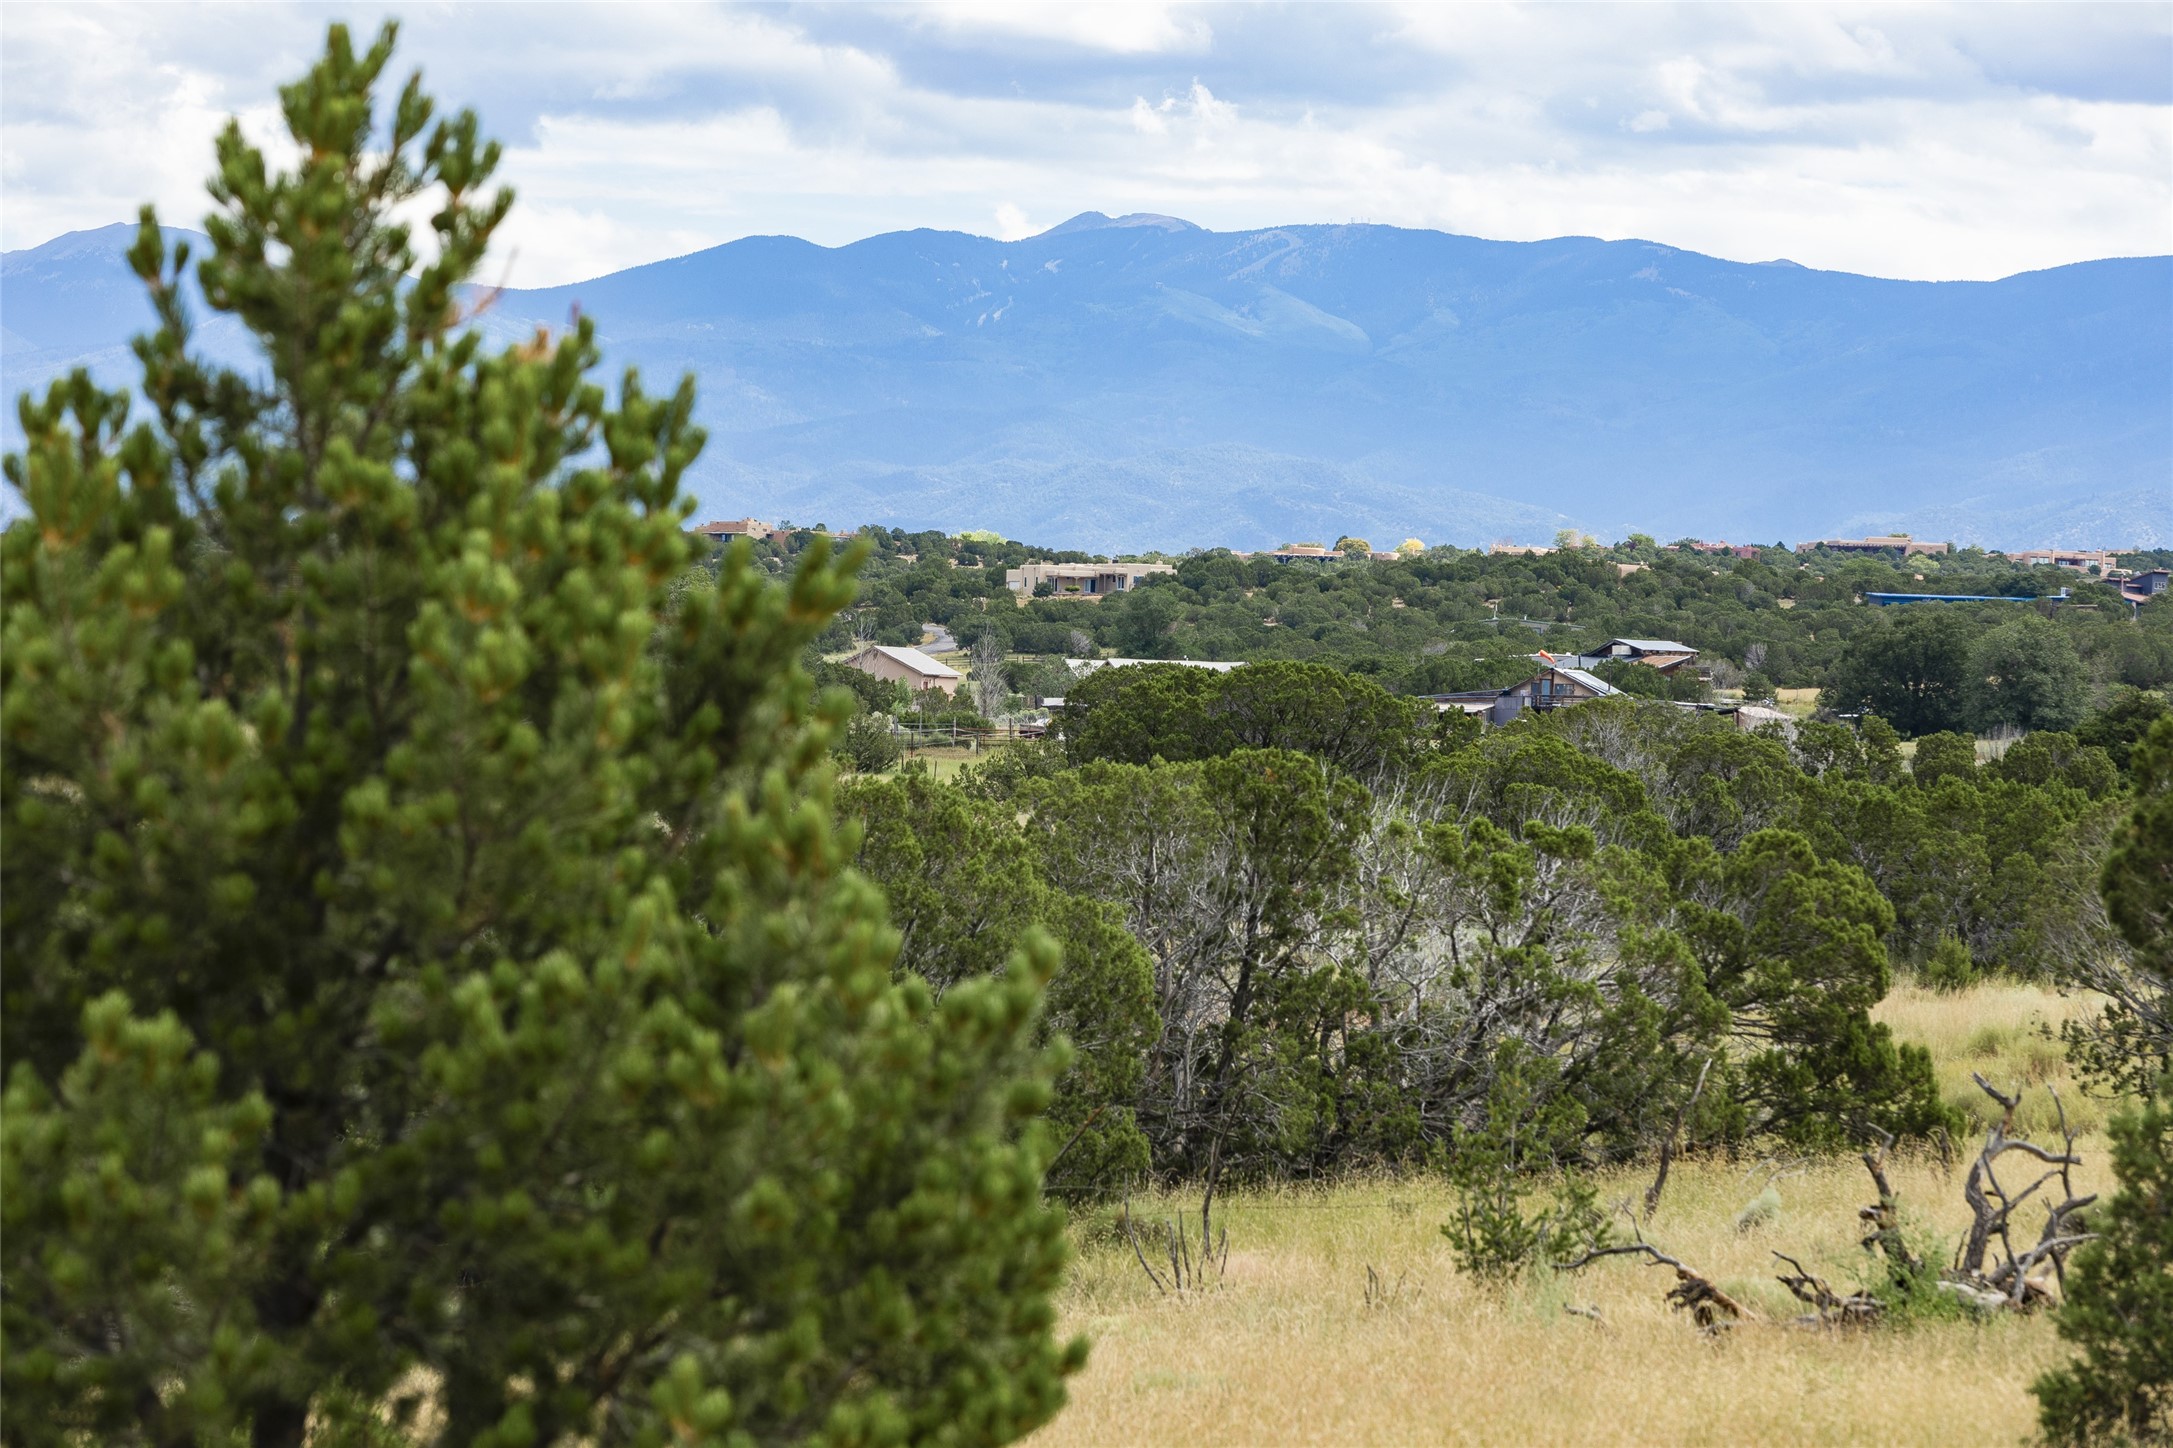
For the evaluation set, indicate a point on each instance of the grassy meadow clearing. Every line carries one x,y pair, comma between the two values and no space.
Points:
1288,1348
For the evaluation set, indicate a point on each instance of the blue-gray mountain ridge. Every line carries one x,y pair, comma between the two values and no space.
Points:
1143,383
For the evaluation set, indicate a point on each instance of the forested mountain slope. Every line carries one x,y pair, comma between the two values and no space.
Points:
1144,382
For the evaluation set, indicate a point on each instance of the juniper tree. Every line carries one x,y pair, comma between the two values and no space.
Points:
964,885
434,983
2130,1043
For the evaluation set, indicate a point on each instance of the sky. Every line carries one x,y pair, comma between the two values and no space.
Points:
1925,141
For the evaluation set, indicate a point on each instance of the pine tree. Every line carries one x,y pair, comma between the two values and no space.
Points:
434,983
2120,1300
2119,1306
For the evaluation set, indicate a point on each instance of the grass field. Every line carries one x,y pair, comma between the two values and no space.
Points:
1288,1350
945,761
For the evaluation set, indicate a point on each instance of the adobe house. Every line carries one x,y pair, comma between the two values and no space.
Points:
1900,543
722,529
1089,581
910,667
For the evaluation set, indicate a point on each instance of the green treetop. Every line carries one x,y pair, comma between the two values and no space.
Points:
435,983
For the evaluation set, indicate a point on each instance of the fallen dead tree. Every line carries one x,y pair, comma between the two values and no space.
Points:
2011,1279
1711,1308
1990,1273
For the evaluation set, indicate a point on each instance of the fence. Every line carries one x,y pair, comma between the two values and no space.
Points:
961,736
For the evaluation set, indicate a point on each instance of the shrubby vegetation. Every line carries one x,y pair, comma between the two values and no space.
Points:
1365,926
1355,932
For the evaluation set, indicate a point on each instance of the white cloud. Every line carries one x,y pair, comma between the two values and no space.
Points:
1012,225
1122,29
1926,142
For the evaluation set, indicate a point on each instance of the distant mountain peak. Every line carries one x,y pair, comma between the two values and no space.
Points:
1096,221
1172,385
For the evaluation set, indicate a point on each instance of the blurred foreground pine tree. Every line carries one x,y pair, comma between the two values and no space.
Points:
436,999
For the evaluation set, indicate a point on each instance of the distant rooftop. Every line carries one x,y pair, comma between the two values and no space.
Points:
1593,682
1653,646
917,661
1884,599
1088,666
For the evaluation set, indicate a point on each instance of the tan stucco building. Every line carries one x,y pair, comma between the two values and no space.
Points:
909,667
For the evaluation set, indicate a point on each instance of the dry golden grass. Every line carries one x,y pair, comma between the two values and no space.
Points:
1286,1350
2009,1033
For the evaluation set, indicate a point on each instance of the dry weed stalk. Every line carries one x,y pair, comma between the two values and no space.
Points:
1187,1272
1379,1293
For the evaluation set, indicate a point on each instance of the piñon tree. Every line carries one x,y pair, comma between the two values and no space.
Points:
2119,1308
436,992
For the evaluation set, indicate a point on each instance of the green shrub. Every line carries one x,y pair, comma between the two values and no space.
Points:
1493,1236
1944,755
867,744
1949,967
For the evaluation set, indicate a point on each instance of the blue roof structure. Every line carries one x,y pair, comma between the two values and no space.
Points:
1884,599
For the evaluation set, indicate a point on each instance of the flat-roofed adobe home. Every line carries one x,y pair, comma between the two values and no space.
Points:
725,528
1900,543
2079,560
1091,581
909,667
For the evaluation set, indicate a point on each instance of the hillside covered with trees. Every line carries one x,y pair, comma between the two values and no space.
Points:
1449,619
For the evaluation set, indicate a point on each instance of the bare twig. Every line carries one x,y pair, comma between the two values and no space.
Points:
1858,1309
1131,1235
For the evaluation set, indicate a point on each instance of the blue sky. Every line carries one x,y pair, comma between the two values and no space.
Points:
1920,141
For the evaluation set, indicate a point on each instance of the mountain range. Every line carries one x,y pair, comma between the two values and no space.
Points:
1139,382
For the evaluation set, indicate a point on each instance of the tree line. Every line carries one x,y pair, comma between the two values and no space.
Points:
1341,922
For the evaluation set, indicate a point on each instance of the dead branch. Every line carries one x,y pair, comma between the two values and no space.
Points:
1713,1309
1828,1308
2008,1282
1659,1258
1379,1294
1884,1216
2007,1103
1186,1272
